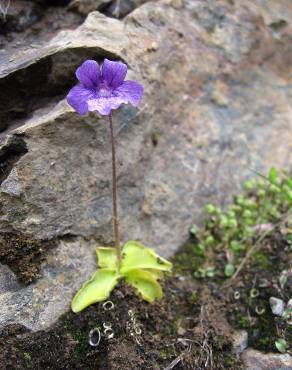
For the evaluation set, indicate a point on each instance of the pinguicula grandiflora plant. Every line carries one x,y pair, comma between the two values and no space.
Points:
103,90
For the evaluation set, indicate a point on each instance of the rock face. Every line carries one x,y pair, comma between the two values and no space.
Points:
38,305
217,106
255,360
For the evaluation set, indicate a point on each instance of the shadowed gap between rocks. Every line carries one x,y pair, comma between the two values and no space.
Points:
10,154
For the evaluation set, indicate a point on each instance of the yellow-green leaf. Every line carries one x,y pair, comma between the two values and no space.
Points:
106,257
145,284
157,274
97,289
136,256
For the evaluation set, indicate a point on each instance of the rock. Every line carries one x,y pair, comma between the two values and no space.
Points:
39,305
86,6
240,340
255,360
181,331
120,8
18,15
277,306
113,8
202,128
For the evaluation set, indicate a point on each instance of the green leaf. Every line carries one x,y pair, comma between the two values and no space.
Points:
229,269
210,209
273,175
97,289
281,345
194,229
210,272
136,256
106,257
145,284
157,274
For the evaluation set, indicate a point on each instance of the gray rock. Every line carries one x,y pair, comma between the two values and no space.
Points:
114,8
18,15
86,6
40,304
240,340
255,360
277,306
214,107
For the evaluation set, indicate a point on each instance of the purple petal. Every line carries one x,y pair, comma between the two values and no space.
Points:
88,74
113,73
78,97
131,91
105,105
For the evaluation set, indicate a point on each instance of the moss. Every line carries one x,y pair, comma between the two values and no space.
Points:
23,254
193,297
27,358
261,260
189,259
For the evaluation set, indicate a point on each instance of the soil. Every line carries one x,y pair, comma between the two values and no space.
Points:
267,274
186,327
191,328
23,254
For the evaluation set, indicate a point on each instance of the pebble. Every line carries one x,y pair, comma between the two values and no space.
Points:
240,339
277,306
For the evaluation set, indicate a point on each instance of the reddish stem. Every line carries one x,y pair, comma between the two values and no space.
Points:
115,205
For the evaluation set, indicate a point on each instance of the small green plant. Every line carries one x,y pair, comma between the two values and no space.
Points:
205,272
141,267
234,230
104,90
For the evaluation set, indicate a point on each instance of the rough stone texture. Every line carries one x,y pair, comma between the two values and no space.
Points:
277,306
255,360
113,8
38,305
87,6
217,77
240,341
17,15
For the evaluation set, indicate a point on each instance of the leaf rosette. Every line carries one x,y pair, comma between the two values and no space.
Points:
141,268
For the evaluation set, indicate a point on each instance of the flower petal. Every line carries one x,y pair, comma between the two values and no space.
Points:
113,73
88,74
105,105
78,97
131,91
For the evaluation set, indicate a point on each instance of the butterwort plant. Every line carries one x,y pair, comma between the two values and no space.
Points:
103,90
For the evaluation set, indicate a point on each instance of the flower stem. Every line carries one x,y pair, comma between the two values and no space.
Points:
115,205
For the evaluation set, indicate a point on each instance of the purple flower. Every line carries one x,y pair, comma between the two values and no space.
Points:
103,90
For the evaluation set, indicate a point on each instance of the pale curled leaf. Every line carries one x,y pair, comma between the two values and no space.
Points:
97,289
136,256
145,284
106,257
281,345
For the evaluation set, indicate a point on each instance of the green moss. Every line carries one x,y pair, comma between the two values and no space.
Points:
233,231
189,259
193,298
231,362
27,358
261,260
